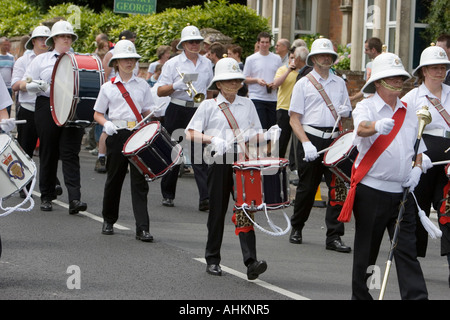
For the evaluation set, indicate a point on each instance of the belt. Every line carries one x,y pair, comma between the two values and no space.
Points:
437,132
124,123
320,133
183,103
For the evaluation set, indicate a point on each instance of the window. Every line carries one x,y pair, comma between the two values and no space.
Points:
305,12
391,25
275,21
372,21
419,12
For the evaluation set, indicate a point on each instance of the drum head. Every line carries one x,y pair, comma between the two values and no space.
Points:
4,141
339,149
141,137
62,90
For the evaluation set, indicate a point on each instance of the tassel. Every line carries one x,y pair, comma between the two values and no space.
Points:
433,231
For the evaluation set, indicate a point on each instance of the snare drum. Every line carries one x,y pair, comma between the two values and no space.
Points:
341,156
261,182
152,151
76,82
17,169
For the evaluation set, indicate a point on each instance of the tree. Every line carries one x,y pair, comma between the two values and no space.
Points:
438,19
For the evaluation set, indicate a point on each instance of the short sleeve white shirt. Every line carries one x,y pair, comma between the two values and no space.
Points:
19,71
110,99
41,68
393,166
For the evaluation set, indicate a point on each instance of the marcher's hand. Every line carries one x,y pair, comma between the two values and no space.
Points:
273,133
8,124
37,86
110,128
179,85
344,111
426,163
310,151
219,146
384,126
413,179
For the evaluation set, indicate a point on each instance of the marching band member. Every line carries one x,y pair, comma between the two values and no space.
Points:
123,113
386,131
210,125
433,93
6,123
182,107
26,134
313,113
55,143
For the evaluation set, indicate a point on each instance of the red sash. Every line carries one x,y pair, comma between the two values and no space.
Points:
380,144
128,99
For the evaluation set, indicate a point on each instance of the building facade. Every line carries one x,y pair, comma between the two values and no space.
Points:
398,23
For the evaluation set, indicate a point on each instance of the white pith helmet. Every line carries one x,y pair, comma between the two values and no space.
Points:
189,33
385,65
321,46
430,56
124,49
226,69
61,27
40,31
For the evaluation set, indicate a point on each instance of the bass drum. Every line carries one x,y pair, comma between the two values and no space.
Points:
76,82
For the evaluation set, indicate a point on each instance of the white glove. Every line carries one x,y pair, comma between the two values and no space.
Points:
8,124
413,179
344,111
110,128
384,126
179,85
37,86
219,146
426,163
310,151
273,133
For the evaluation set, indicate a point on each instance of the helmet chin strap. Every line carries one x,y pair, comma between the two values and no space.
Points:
389,87
191,51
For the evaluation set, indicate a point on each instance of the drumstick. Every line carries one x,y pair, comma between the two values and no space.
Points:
29,80
18,121
446,150
440,162
143,120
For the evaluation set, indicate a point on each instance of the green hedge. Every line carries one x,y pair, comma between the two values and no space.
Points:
239,22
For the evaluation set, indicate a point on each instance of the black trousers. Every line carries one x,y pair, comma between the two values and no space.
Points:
220,186
26,133
429,192
116,168
176,120
267,112
286,131
57,143
310,175
375,211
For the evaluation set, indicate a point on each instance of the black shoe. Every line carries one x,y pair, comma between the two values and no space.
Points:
46,205
144,236
255,269
107,228
339,246
204,205
167,202
58,190
76,206
214,269
296,236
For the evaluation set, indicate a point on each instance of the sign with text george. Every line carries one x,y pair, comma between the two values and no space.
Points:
135,6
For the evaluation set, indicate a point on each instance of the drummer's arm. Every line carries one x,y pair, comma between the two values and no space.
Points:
105,63
100,118
4,114
366,129
297,127
198,137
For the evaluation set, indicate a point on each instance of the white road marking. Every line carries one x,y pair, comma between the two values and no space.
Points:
258,282
84,213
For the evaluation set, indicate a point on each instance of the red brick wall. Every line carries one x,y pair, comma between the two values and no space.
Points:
335,21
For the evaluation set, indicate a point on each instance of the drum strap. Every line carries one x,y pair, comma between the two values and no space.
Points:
377,148
235,127
437,104
325,97
128,99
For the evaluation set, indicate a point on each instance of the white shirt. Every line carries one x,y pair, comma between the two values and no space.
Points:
203,68
210,120
5,97
41,68
417,98
110,99
391,169
264,67
307,101
26,99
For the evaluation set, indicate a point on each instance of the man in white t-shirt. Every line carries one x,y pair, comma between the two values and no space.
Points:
259,71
